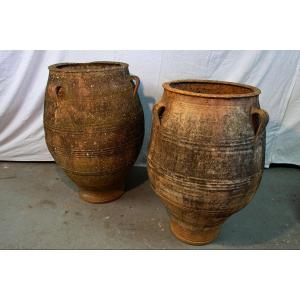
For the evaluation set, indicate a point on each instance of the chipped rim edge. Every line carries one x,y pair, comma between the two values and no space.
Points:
118,65
254,90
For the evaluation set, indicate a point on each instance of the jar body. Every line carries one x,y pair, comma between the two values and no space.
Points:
94,128
205,161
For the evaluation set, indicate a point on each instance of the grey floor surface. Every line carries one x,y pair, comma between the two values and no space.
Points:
40,209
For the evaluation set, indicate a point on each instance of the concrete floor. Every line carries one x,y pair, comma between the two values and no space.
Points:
40,209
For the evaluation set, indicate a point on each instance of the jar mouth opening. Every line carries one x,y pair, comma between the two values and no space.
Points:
95,66
211,88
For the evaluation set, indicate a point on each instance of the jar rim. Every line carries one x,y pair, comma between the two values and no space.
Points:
250,91
94,66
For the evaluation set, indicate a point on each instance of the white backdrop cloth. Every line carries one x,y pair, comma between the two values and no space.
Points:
23,78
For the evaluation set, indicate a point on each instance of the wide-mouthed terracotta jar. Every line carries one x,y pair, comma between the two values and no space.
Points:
94,125
206,154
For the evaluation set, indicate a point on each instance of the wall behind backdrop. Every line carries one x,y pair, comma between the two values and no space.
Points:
23,78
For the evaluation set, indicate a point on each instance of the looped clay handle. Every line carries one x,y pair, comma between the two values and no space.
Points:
157,112
55,90
263,119
137,83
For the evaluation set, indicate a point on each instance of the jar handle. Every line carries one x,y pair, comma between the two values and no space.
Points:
263,119
158,111
137,83
55,90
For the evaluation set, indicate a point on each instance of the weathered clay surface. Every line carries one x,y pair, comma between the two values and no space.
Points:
94,125
206,154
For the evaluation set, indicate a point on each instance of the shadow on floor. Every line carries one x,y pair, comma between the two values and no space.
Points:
65,179
137,176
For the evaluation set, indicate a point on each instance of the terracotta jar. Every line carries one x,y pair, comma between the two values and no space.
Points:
206,154
94,125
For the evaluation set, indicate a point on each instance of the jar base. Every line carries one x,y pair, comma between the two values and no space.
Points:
102,196
194,236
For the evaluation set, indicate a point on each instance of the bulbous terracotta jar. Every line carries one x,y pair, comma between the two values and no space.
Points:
206,154
94,125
